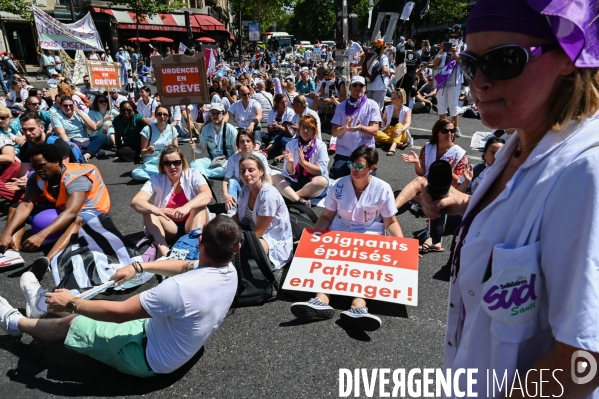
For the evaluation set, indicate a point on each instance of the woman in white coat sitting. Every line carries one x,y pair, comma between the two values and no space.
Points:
262,208
397,119
304,176
180,198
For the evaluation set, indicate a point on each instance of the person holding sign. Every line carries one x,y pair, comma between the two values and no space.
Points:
154,139
262,208
358,203
180,198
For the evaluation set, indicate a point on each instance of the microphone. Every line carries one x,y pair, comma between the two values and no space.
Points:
439,182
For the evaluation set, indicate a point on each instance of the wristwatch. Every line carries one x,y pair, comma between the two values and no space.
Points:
71,306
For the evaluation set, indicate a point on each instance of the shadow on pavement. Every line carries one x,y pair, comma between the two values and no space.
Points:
71,374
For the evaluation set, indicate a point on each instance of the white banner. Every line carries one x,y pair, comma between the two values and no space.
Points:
407,10
54,35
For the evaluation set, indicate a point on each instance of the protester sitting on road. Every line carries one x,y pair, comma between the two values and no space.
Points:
65,89
77,193
247,112
427,96
290,92
262,208
70,123
180,198
99,111
356,122
52,83
151,333
128,125
218,138
147,105
142,71
440,146
154,139
233,182
359,203
301,108
278,123
17,95
304,177
266,102
116,99
330,93
10,128
397,119
474,175
33,104
306,86
9,168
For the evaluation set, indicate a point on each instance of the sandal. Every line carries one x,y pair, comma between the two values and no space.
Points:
425,249
390,153
403,146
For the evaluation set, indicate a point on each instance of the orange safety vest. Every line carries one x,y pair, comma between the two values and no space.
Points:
97,198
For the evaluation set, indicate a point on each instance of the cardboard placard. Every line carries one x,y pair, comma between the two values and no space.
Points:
181,79
357,265
104,75
479,139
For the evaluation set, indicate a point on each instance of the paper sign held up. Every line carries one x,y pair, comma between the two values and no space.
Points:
104,75
357,265
181,79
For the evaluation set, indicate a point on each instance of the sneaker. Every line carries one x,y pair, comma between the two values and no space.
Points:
39,267
312,310
32,291
332,149
100,154
11,259
458,133
361,319
5,312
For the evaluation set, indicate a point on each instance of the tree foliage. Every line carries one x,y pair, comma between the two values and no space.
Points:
18,7
265,12
445,12
313,20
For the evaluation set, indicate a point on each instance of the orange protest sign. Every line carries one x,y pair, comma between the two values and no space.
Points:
104,75
181,79
358,265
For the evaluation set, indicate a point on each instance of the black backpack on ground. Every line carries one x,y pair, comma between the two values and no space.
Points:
256,282
302,217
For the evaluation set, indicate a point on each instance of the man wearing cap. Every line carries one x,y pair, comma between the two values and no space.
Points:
356,122
219,139
377,88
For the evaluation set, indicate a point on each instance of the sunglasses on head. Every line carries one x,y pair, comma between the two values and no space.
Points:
501,63
446,130
178,162
360,85
357,166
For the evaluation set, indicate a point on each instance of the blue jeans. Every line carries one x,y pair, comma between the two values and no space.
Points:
234,189
95,144
11,75
2,84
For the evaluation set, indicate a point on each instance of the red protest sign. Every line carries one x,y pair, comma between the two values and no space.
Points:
358,265
104,75
181,79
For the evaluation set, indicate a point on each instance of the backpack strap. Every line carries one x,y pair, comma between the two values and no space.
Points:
224,128
260,256
305,210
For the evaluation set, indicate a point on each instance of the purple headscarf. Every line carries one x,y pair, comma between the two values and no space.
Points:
573,23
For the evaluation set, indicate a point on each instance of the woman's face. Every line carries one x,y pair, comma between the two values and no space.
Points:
127,111
307,132
250,173
297,108
161,115
524,101
144,94
4,121
396,98
172,170
489,155
102,102
245,144
282,104
359,176
446,135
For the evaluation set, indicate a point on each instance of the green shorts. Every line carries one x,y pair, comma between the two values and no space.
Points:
117,345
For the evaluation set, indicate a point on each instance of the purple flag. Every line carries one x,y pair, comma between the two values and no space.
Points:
442,76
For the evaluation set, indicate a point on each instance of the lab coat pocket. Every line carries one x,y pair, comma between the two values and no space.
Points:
367,214
511,296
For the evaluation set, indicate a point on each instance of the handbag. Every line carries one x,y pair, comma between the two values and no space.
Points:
222,159
401,69
218,162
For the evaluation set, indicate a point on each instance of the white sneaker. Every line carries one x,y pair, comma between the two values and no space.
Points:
458,133
32,291
5,312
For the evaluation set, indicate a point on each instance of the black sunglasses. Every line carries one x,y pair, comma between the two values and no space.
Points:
102,101
445,131
360,85
178,162
68,105
501,63
161,114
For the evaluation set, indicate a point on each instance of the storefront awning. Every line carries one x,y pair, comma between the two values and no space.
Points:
164,22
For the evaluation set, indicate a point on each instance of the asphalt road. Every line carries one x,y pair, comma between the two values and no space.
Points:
259,352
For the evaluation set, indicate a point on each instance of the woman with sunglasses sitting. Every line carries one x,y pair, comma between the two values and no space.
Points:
99,111
441,145
358,203
233,182
128,125
397,119
154,139
304,177
262,208
180,198
11,128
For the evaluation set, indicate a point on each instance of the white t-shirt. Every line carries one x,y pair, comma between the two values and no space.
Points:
354,50
148,109
286,117
266,102
186,310
381,81
243,116
364,215
349,141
